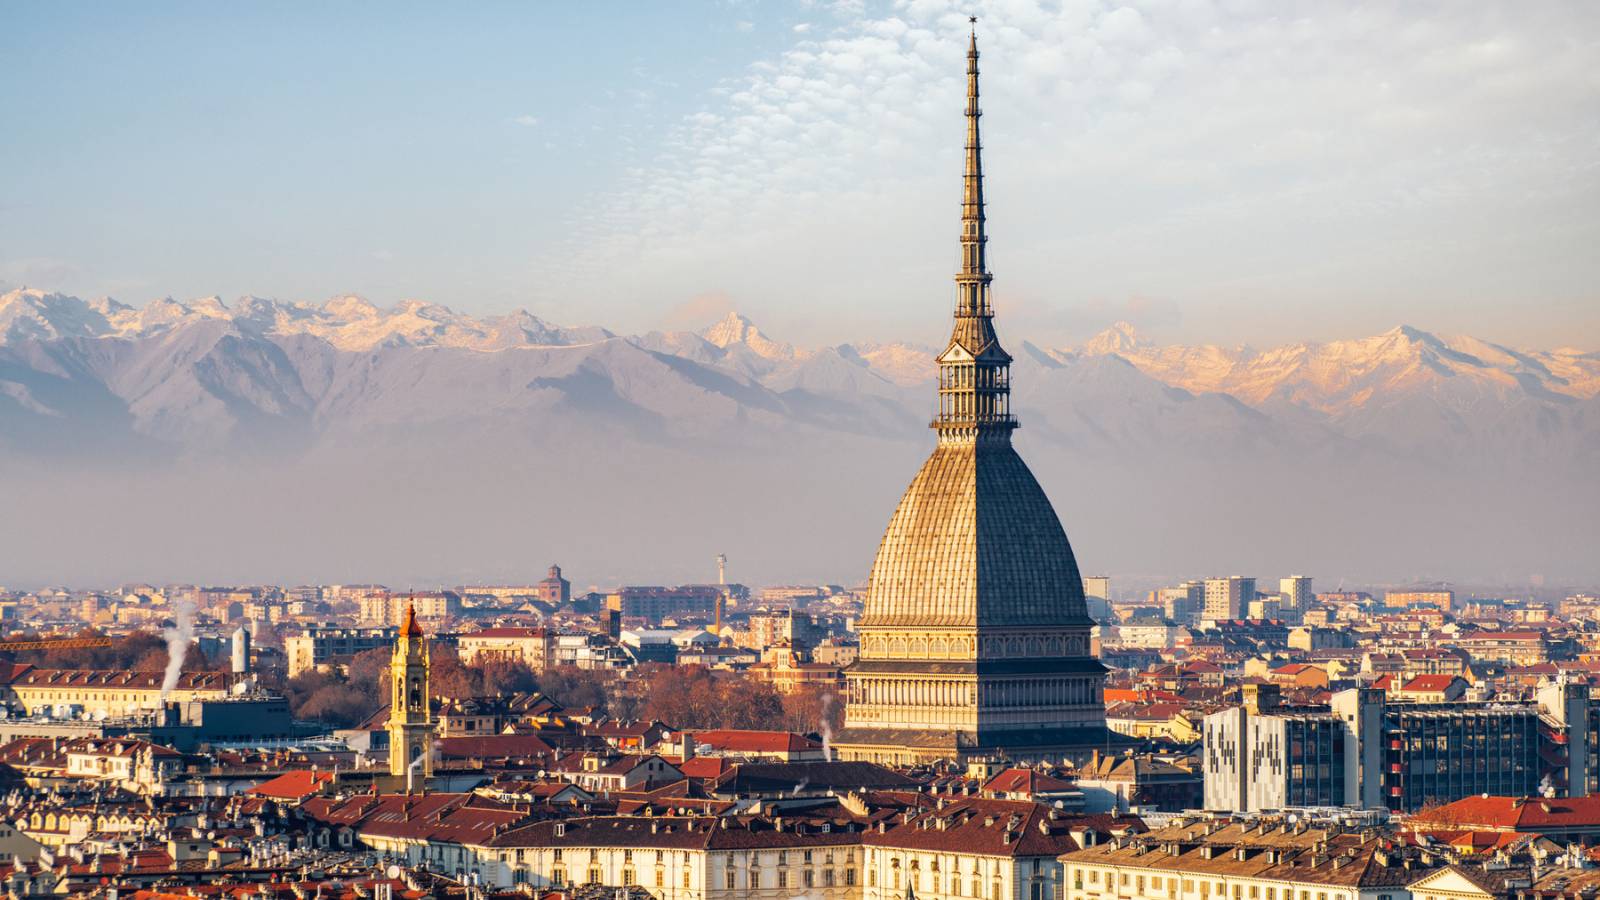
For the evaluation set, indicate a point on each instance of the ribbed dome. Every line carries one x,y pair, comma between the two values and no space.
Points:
975,542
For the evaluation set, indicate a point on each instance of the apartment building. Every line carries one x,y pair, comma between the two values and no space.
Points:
320,646
1364,750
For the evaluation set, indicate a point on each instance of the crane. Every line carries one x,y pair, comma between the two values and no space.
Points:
74,643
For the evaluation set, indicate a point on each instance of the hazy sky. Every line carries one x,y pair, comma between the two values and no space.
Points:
1228,171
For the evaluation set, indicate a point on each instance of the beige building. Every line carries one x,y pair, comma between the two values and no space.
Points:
1296,593
1228,598
107,694
533,647
388,609
320,647
1221,860
970,848
1445,600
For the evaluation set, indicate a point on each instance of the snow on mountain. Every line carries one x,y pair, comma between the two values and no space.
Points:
1121,338
348,322
206,373
1342,377
736,331
28,313
903,364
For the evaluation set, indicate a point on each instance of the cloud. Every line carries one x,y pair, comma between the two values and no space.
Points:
745,26
1222,157
524,120
802,28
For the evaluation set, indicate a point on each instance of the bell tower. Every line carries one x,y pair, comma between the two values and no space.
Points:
411,725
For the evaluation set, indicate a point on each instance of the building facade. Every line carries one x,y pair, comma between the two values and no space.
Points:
1366,751
320,646
657,603
533,647
1228,598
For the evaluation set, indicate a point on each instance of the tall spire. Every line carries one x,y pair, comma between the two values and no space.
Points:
974,371
974,278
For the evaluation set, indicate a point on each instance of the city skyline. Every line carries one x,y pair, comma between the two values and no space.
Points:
1175,168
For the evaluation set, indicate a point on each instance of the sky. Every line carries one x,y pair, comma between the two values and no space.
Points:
1227,172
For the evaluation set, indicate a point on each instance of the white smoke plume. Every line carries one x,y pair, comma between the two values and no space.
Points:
827,731
178,637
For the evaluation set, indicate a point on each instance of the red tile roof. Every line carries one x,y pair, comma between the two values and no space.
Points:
1025,781
296,785
730,740
1514,813
1430,682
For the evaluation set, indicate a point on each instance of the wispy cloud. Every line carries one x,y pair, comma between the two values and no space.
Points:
524,120
1216,156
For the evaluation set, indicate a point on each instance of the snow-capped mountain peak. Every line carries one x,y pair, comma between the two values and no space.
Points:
736,330
1120,338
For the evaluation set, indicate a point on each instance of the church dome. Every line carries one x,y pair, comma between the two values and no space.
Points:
974,542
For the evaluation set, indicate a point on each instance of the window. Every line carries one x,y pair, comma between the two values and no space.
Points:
558,877
594,874
808,878
850,876
627,876
728,880
685,876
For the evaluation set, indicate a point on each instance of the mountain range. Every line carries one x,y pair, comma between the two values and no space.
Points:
248,439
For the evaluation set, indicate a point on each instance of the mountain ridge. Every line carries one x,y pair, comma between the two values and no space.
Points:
472,438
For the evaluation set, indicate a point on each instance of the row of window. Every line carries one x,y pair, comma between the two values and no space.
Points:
1170,886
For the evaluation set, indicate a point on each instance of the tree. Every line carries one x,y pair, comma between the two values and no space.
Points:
750,704
574,688
369,671
448,678
503,677
339,704
684,697
813,709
